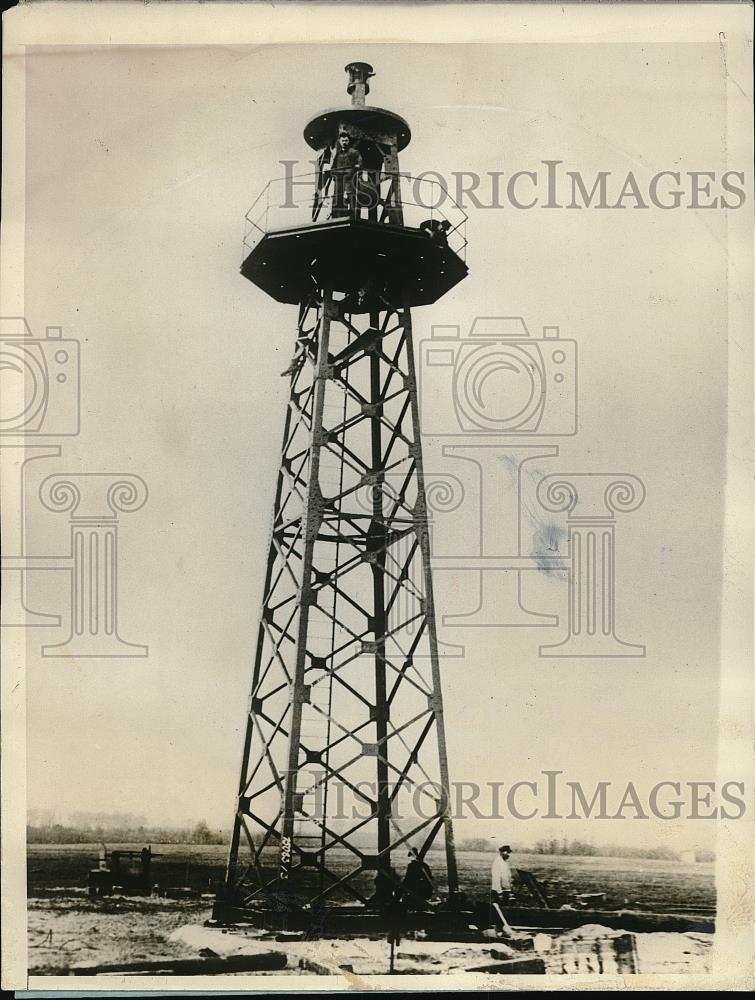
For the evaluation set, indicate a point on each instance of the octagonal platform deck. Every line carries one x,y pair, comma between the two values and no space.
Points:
342,253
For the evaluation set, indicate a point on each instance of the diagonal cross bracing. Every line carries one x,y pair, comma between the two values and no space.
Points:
345,686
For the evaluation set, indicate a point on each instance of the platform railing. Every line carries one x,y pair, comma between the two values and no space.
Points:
313,199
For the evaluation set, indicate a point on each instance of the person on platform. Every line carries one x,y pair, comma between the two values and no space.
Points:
436,230
345,168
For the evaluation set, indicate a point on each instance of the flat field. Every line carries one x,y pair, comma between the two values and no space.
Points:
67,928
661,886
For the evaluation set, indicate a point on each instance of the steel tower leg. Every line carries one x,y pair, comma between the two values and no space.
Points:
424,537
377,545
313,516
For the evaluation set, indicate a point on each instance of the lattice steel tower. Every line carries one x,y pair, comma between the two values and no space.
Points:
344,760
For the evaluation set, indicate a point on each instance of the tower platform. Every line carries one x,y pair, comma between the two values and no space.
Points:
411,268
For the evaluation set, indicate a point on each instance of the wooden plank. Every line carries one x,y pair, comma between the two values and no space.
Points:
514,967
260,961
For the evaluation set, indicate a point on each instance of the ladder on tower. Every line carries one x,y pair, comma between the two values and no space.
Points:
315,733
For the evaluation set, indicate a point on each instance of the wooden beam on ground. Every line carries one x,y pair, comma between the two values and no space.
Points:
259,962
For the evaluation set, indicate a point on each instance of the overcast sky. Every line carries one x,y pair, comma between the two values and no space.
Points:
141,164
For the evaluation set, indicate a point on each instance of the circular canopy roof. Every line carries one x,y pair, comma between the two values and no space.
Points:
322,129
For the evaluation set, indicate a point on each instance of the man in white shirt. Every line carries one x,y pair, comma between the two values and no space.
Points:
501,876
501,886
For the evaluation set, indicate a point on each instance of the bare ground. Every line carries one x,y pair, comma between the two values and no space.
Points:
66,932
73,930
67,928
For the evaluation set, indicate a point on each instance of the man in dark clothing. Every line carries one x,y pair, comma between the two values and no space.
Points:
436,230
418,881
368,297
344,169
385,889
355,302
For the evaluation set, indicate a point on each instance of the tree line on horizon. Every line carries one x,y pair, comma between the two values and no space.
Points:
57,833
581,848
202,833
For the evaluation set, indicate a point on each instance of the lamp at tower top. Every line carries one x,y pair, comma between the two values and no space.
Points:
365,120
359,75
